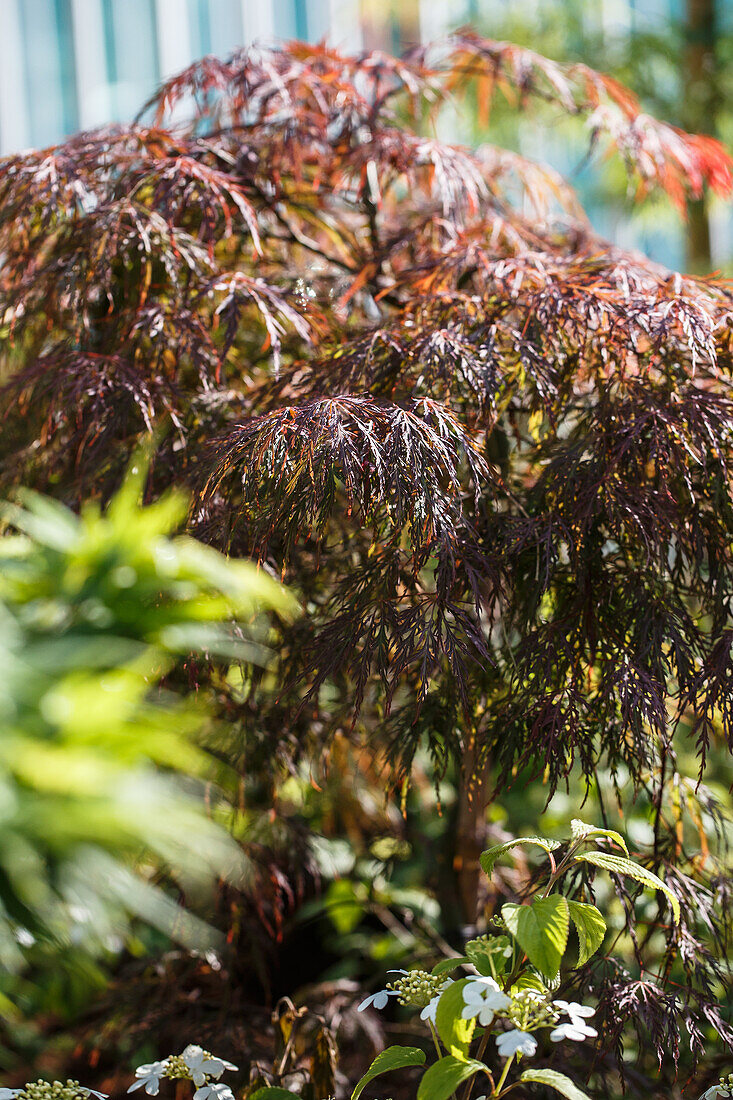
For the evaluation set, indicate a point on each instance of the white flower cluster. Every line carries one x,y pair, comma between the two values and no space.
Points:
415,987
51,1090
577,1029
527,1010
724,1087
194,1064
484,999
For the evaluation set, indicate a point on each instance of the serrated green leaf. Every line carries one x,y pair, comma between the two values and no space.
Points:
443,1078
591,832
446,965
557,1081
627,867
390,1059
455,1032
541,930
530,980
590,926
490,856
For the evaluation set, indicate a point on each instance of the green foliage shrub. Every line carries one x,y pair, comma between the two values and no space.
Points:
95,610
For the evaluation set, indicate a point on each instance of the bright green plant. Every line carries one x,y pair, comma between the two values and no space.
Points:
94,611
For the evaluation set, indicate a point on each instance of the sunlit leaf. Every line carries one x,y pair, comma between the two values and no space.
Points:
554,1080
393,1058
455,1032
590,926
541,929
442,1078
490,856
618,866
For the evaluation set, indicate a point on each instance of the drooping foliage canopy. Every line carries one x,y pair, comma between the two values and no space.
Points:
489,450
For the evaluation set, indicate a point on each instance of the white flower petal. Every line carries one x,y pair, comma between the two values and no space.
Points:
515,1042
575,1030
218,1091
378,999
480,984
484,993
150,1080
486,1016
573,1009
565,1031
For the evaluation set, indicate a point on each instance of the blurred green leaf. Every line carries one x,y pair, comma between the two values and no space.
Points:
93,612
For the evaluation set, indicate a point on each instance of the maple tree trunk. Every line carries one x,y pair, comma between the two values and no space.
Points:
700,110
470,841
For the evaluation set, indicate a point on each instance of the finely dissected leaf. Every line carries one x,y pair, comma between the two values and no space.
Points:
557,1081
590,926
491,451
442,1078
428,324
591,832
627,867
541,929
455,1032
490,856
392,1058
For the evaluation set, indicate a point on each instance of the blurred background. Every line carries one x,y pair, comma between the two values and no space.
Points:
67,65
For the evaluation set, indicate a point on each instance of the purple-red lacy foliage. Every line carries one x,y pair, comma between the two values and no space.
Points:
491,451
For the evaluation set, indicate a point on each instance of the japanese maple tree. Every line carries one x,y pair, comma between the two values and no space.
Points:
490,450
